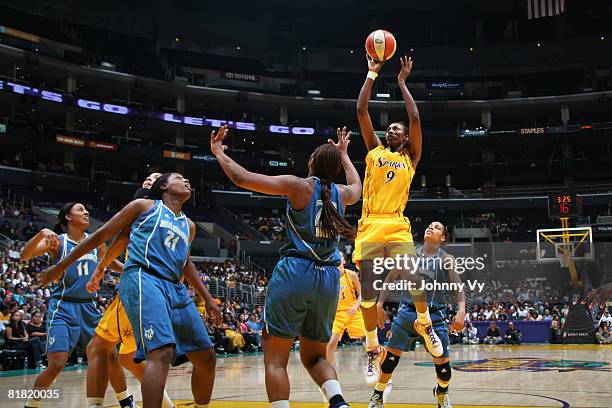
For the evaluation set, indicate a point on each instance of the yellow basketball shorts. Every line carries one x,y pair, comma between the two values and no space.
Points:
354,325
115,327
383,236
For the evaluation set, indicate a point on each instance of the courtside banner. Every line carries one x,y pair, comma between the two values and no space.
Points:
578,327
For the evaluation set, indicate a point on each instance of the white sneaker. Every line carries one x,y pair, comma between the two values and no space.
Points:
442,399
376,401
375,359
432,341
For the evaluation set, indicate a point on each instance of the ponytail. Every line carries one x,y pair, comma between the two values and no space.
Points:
326,164
58,229
332,223
62,224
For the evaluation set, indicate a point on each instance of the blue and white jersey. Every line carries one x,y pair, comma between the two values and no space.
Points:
431,268
159,243
305,237
72,284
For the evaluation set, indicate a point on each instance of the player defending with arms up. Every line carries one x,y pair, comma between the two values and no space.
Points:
303,292
383,229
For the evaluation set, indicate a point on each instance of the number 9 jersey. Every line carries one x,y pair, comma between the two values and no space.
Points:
159,243
386,188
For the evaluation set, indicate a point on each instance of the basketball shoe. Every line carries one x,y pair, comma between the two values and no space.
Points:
442,398
377,400
432,341
375,359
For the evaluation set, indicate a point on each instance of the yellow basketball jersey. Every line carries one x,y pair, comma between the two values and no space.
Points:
347,297
387,182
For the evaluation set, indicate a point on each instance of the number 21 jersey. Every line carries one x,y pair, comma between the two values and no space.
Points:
159,243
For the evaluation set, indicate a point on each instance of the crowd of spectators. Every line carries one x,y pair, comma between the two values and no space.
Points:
272,225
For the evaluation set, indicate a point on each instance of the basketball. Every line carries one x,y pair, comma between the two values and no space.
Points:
380,45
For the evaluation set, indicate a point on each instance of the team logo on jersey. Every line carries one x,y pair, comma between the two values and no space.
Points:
149,333
527,364
51,340
127,333
382,162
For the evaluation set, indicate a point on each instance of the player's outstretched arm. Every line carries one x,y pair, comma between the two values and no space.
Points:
46,241
109,259
117,247
290,186
365,122
351,192
120,221
414,128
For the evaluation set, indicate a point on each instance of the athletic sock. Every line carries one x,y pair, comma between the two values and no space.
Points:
424,318
167,402
379,393
380,386
32,403
443,390
330,389
125,399
371,340
280,404
94,402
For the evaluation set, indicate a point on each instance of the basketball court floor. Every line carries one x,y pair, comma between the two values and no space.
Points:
577,376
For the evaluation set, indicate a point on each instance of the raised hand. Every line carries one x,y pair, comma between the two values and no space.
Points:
217,139
344,139
373,65
406,63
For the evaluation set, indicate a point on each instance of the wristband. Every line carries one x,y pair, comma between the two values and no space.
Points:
372,75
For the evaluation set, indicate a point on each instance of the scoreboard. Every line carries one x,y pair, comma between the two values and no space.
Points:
564,204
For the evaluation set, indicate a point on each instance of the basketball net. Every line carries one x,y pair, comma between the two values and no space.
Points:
564,259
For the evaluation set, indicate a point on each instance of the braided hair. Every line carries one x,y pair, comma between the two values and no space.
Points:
156,192
326,164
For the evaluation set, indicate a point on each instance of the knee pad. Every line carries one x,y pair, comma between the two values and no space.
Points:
391,361
443,372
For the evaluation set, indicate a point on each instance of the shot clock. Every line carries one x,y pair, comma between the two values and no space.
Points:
564,204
